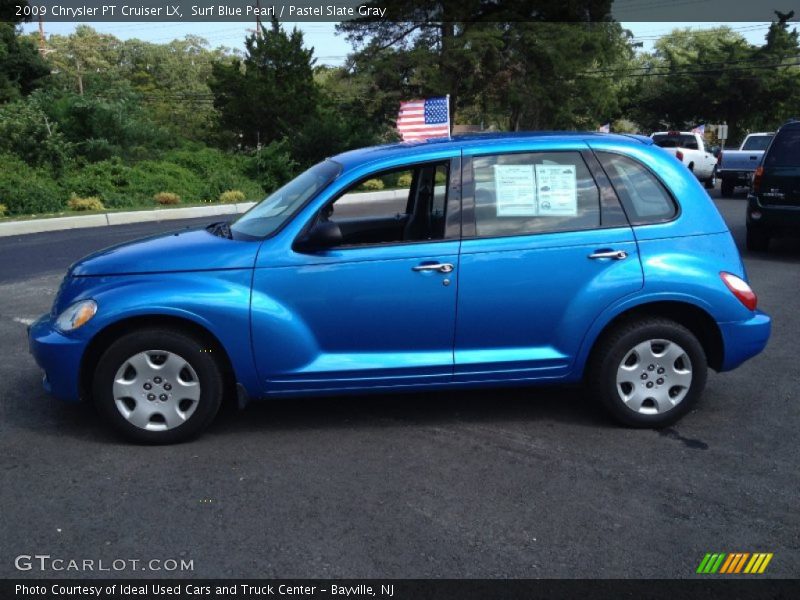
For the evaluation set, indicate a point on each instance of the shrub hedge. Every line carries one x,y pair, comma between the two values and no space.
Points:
80,204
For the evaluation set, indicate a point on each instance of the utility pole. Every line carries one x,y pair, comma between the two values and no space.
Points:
42,48
258,18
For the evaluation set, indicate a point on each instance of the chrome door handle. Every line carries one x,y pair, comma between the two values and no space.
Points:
613,254
441,267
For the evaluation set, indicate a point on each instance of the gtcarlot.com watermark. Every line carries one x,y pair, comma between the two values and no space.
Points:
46,562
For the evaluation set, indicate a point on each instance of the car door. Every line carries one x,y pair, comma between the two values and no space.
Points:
709,161
546,248
377,309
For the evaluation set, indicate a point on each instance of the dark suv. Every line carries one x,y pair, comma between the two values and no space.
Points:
774,202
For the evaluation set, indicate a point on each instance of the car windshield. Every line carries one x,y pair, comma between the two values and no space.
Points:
756,142
675,140
276,209
785,150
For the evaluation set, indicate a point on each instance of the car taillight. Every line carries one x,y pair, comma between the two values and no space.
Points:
740,289
757,176
679,155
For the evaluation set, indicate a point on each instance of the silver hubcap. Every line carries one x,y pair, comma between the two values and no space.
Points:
654,377
156,390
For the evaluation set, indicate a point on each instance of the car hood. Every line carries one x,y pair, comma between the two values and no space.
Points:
185,250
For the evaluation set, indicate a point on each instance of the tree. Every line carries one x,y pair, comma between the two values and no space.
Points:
455,47
83,54
714,76
21,68
556,75
270,92
172,81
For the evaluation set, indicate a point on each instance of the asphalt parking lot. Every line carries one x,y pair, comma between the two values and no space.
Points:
490,483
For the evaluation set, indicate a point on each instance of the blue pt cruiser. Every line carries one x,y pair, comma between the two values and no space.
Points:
480,261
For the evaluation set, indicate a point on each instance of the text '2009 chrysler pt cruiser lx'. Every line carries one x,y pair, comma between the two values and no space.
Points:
484,261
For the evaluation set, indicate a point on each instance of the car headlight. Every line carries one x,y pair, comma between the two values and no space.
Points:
76,315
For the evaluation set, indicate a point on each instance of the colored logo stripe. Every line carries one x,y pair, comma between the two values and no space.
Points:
734,562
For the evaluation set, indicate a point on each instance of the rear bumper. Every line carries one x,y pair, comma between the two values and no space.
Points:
774,217
741,177
743,340
59,357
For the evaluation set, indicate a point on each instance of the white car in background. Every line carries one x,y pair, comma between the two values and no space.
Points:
690,149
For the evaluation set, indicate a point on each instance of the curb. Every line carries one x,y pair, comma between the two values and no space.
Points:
119,218
160,214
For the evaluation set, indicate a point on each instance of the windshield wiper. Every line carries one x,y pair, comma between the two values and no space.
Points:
220,229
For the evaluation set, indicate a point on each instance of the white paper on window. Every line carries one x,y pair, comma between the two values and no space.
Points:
557,190
515,190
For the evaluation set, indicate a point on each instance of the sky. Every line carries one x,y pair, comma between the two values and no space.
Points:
332,49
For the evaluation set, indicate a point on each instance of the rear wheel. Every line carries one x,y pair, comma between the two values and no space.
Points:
757,239
648,372
726,188
158,386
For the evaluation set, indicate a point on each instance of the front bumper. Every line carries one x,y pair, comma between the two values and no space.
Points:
59,356
743,340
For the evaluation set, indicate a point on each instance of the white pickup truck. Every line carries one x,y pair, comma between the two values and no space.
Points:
736,167
690,149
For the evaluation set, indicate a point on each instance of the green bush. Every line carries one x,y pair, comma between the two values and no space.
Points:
404,180
80,204
218,170
231,197
273,165
149,177
25,190
372,185
108,180
26,132
166,198
3,210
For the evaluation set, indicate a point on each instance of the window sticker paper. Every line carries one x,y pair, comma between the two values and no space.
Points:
515,190
557,190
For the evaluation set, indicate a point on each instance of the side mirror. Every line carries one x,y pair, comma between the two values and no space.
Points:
324,234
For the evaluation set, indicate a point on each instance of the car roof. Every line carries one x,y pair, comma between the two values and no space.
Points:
399,150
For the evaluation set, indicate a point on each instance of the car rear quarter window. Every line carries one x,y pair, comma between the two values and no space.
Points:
785,149
756,142
643,196
538,192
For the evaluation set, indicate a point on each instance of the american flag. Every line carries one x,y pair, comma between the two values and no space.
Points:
605,128
423,119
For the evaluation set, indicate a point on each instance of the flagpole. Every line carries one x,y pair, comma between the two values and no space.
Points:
449,124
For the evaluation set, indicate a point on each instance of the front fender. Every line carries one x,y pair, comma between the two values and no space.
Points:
218,301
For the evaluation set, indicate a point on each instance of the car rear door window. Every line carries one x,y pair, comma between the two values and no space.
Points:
643,196
538,192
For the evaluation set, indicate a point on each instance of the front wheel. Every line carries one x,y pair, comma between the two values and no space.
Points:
649,372
158,386
711,182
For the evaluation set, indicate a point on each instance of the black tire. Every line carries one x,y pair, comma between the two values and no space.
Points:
711,182
194,351
757,239
727,188
618,343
